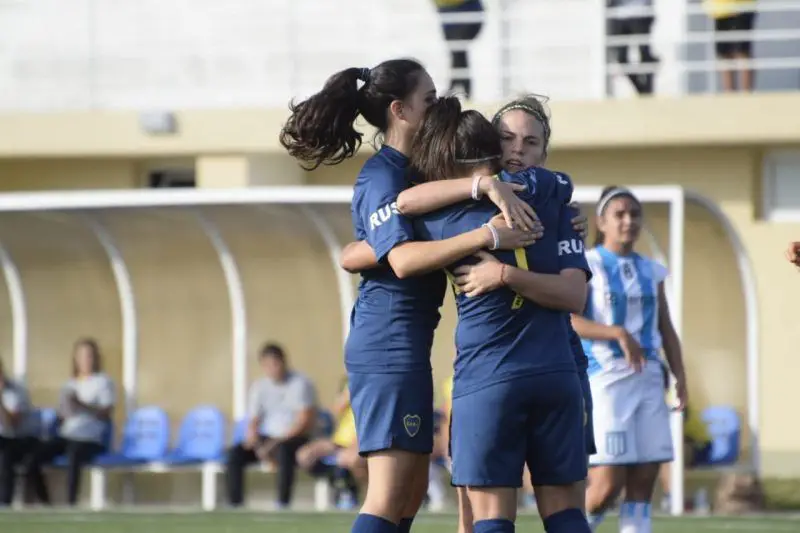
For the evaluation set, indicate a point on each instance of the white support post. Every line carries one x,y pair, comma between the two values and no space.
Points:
752,328
233,280
677,219
208,487
127,302
343,281
19,314
97,488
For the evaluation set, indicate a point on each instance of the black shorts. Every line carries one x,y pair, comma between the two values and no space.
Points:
738,22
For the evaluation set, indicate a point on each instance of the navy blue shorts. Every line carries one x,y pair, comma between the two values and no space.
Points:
591,448
393,411
538,420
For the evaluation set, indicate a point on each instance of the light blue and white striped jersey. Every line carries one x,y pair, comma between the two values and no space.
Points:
623,292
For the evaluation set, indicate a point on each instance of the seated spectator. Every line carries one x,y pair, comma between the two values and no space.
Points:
733,15
281,417
18,433
84,414
349,466
441,453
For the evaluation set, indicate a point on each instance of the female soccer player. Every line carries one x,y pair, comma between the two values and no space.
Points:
516,393
625,325
387,353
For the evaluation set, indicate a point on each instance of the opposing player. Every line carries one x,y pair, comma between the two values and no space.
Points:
516,392
625,326
387,354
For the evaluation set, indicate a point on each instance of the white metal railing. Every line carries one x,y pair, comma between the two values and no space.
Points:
694,45
168,54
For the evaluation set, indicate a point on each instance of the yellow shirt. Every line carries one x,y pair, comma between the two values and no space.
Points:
725,8
694,429
447,388
345,434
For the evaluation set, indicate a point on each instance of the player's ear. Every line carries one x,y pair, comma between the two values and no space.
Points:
397,109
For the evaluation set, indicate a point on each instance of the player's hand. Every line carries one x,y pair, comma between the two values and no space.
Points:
793,253
634,354
265,449
682,394
516,212
513,238
484,276
250,439
580,223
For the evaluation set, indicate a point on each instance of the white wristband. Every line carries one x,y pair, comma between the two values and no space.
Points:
495,237
476,191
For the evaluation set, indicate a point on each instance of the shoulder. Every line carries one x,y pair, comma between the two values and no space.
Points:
657,269
103,379
563,186
300,380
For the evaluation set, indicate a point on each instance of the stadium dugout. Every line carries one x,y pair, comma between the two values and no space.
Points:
125,254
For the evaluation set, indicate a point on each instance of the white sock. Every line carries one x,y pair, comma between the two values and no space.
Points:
628,522
643,516
595,520
634,517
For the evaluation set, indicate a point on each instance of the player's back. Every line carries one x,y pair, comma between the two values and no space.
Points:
500,335
623,292
393,320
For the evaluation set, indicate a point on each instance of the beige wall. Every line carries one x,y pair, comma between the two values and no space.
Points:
291,289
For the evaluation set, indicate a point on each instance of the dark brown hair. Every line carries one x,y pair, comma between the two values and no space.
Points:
94,349
533,105
321,129
599,236
273,349
450,142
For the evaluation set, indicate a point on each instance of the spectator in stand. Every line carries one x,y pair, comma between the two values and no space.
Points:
281,417
18,425
84,415
738,16
343,447
634,18
793,253
460,31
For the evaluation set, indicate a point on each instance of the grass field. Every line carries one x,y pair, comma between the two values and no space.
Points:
286,522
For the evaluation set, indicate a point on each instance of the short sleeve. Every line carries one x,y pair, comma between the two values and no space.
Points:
384,225
108,395
564,187
570,245
659,272
308,395
12,400
254,409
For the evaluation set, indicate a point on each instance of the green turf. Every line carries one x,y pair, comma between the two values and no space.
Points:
222,522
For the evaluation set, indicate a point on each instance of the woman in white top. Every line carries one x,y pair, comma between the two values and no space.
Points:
84,414
17,432
624,328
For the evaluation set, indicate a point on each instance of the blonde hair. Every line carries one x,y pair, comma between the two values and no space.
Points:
532,104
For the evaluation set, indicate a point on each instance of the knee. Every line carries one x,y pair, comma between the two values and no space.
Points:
235,456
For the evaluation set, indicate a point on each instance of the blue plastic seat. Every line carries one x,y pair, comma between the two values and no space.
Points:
201,437
48,422
239,430
107,442
725,430
145,439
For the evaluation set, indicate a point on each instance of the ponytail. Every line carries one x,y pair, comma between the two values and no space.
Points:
321,130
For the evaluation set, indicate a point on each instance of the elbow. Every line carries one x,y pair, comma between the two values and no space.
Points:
577,302
401,266
403,205
347,265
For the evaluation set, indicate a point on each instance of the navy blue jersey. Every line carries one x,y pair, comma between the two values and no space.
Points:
500,335
392,323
